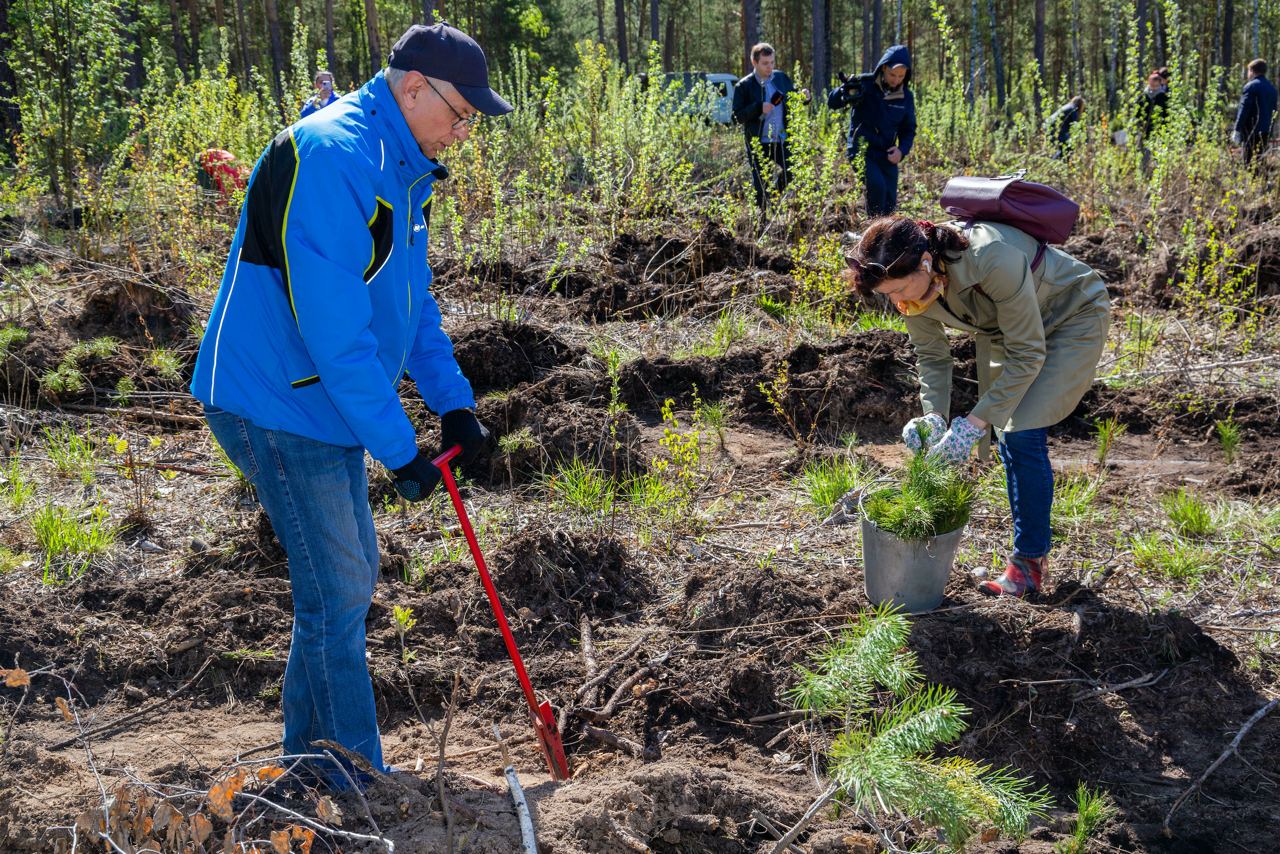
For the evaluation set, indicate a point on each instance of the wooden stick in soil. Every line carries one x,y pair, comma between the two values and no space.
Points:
440,784
765,822
132,716
525,819
791,835
1231,748
609,671
614,740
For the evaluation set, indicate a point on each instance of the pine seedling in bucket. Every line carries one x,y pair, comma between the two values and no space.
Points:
910,532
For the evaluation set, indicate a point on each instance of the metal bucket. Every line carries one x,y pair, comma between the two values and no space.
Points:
910,574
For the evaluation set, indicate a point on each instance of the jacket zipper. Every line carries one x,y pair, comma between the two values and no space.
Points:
408,337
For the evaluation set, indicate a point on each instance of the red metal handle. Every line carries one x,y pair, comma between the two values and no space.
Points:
444,458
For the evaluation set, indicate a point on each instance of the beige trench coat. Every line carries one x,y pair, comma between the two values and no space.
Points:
1039,335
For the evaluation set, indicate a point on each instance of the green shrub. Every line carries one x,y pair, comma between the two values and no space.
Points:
932,498
1093,810
1228,439
70,541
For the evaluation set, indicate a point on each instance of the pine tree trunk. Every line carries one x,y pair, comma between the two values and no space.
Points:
193,41
1254,32
600,21
620,22
996,62
750,28
975,52
1140,14
129,23
179,44
654,24
375,44
1077,59
10,116
897,32
1228,32
821,72
242,40
877,28
428,11
330,50
277,48
867,61
669,43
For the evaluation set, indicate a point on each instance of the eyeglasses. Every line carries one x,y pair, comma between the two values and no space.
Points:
468,121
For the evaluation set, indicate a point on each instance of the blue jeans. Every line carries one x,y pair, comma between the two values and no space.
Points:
317,497
1029,475
881,178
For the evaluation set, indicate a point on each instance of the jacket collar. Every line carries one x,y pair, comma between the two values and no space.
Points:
388,122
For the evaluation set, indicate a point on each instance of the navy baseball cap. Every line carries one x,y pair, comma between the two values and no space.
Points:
447,53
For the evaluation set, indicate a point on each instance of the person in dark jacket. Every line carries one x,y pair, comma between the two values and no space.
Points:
1060,123
323,309
1153,106
883,124
1257,108
760,106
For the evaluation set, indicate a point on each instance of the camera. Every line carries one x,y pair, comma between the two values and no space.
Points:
853,86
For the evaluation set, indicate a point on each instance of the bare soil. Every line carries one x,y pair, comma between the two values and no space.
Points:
1126,683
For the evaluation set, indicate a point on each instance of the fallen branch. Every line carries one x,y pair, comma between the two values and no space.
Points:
489,748
791,835
132,716
765,822
1231,748
440,784
1140,682
190,421
614,740
609,671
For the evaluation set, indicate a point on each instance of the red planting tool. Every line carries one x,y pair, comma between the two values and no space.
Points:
544,718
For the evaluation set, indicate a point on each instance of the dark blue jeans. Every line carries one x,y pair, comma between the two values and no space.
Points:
1025,455
881,178
317,497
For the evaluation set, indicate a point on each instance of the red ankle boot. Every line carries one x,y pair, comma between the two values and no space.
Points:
1021,578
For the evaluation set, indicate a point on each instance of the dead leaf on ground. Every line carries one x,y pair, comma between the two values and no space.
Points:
306,836
328,811
270,773
280,841
201,828
16,678
65,708
223,793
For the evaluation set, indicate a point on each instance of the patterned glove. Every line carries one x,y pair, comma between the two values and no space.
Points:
416,480
932,425
956,445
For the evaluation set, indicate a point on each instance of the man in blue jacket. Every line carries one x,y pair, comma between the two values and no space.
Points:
760,106
324,307
883,123
1257,108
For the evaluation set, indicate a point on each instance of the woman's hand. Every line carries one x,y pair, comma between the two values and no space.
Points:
957,443
933,426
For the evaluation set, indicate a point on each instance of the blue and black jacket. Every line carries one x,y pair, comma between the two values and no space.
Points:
1257,106
324,305
882,123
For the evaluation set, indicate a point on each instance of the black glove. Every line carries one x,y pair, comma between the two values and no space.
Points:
461,427
417,480
848,84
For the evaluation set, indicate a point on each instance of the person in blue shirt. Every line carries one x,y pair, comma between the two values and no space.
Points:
1060,125
1257,109
324,95
760,106
882,125
323,309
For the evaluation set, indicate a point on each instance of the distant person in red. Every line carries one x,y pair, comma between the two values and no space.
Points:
219,170
324,95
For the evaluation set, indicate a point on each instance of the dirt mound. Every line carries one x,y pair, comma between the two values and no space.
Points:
646,383
1111,253
136,312
672,806
863,382
1260,245
1175,407
498,355
560,418
678,260
1256,474
1036,680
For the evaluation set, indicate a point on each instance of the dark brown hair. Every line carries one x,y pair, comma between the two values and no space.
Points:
762,49
1258,67
892,246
